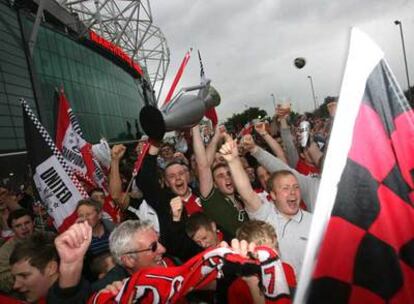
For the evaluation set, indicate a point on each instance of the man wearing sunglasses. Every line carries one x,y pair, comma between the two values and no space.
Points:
134,245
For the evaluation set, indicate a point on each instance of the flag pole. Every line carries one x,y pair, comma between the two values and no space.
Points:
127,190
178,76
137,166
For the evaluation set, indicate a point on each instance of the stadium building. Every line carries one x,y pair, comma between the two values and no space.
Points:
45,45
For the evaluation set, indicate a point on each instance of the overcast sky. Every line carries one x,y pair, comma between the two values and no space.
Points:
248,47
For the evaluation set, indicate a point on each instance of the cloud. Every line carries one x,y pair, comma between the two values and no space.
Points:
248,47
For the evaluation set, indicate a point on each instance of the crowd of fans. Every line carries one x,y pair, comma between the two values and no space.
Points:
206,188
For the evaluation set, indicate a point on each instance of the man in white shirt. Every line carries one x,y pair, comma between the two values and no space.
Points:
290,222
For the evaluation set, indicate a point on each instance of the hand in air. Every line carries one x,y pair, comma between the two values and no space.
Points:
229,149
72,244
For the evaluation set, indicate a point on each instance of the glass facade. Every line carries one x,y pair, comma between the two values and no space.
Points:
105,98
14,81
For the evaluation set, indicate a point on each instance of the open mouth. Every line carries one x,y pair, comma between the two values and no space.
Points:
180,186
292,203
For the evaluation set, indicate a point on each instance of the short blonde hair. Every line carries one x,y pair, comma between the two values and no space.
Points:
258,232
275,175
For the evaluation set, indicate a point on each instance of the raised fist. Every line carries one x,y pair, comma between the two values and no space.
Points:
229,149
177,206
117,152
72,244
248,143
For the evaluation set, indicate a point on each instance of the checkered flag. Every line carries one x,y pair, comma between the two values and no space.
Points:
75,149
58,187
79,154
366,195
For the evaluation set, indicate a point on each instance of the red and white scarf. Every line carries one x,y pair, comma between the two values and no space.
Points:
169,285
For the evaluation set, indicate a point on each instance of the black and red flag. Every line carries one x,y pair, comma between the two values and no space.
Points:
365,206
58,187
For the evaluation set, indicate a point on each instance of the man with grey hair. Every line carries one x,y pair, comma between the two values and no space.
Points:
134,245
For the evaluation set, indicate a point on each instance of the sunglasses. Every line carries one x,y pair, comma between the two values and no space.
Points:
153,247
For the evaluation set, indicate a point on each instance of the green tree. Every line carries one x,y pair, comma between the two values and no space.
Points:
238,120
322,111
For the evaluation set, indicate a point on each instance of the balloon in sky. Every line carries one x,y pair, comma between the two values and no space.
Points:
299,62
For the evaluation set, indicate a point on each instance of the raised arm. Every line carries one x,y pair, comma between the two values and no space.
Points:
309,185
71,246
211,148
204,172
178,243
115,182
315,154
292,155
271,142
148,180
240,179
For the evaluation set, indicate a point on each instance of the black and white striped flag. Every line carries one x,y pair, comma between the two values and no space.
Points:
58,188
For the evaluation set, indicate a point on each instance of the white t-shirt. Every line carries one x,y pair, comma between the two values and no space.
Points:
292,234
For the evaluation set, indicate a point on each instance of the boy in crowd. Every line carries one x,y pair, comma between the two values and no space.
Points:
22,224
51,272
246,290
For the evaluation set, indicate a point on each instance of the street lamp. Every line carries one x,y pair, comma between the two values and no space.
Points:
274,100
398,22
313,92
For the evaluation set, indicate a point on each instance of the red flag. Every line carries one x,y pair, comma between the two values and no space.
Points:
212,115
70,141
78,154
76,150
177,77
367,252
247,129
140,158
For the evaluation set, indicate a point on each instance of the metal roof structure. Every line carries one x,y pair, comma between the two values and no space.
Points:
128,24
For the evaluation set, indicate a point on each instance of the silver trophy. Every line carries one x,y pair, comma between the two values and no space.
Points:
184,111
